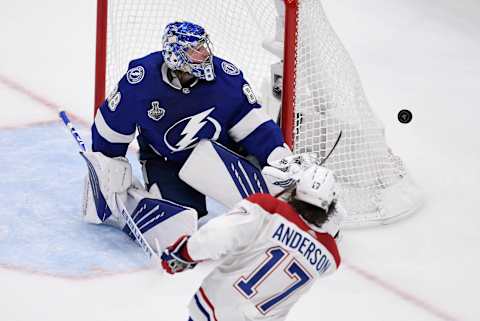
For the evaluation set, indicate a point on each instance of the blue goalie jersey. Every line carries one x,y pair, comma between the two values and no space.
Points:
171,119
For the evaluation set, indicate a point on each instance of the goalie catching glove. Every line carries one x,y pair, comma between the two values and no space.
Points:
285,172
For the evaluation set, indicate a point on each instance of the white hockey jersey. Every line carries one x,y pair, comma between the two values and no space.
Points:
271,256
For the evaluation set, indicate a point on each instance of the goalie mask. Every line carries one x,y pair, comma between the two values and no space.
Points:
186,47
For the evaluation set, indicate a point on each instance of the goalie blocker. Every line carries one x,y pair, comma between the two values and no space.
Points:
160,221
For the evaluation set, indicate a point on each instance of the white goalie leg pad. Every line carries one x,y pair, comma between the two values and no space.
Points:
89,211
221,174
107,177
161,221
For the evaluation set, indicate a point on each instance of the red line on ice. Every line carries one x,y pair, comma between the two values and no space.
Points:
94,274
44,102
422,304
38,98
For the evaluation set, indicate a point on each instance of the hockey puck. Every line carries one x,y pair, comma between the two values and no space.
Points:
405,116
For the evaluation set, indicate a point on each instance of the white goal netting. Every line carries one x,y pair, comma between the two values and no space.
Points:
375,187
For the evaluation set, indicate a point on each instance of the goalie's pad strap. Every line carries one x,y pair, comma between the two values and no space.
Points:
221,174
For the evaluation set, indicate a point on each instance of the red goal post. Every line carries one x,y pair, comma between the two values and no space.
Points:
101,53
321,93
289,67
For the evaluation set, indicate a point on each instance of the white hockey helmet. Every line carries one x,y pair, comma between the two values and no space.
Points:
316,186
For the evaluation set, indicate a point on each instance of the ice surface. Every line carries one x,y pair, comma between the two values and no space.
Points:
42,203
410,54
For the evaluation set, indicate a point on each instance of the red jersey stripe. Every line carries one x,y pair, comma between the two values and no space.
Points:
210,305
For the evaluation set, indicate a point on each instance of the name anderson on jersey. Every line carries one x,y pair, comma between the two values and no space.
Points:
303,245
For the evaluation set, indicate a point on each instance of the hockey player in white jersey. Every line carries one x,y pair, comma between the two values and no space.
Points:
272,251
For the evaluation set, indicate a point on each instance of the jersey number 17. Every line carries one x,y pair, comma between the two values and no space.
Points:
248,285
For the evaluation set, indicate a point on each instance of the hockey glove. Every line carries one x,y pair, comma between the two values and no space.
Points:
176,258
283,173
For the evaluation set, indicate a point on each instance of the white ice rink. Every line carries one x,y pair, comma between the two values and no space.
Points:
422,55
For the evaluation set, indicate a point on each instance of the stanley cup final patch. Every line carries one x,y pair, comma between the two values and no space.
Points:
135,75
156,112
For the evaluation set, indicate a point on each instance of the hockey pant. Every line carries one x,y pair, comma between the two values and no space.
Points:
165,175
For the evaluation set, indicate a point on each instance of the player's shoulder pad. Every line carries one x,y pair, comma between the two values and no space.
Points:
273,205
138,69
226,67
269,203
232,75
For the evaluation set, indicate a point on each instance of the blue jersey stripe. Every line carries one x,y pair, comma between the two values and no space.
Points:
201,308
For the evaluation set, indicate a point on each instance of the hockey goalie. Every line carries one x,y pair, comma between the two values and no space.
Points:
173,98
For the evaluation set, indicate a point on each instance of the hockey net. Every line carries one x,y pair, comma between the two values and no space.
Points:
322,93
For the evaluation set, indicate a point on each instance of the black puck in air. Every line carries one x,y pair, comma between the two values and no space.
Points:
405,116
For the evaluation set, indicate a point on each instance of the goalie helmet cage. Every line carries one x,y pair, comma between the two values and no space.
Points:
321,95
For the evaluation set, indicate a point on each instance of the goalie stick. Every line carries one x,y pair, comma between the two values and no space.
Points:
331,150
142,242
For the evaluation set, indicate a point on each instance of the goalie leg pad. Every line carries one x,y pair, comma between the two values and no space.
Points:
106,177
89,209
161,222
221,174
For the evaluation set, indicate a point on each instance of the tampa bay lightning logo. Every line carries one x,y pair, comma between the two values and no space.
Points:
135,75
230,68
186,133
